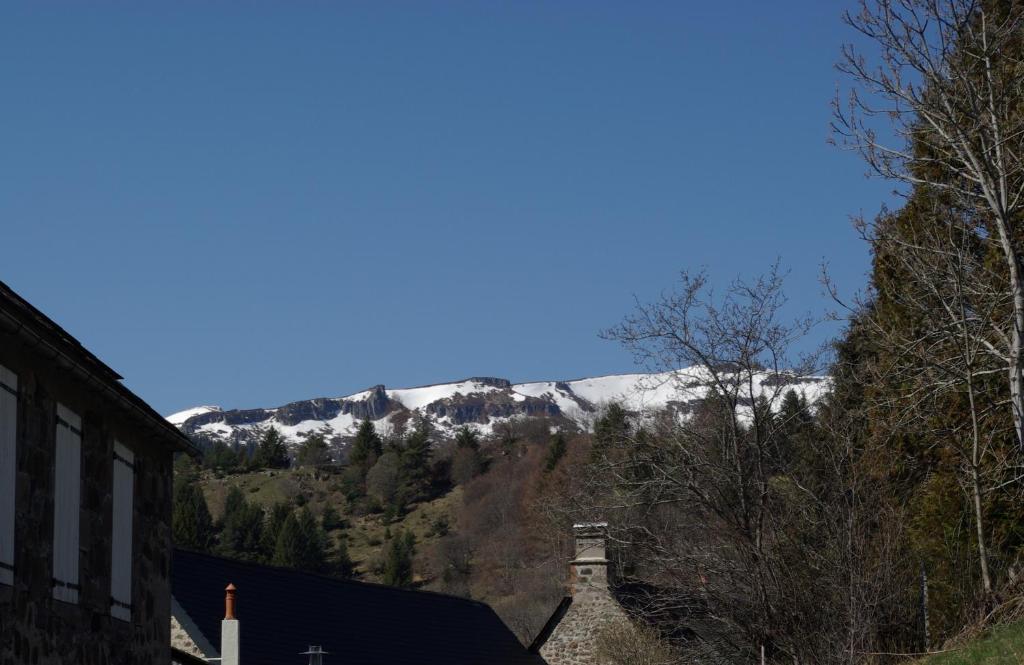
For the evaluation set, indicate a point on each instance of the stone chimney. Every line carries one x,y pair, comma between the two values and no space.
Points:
574,629
590,567
230,643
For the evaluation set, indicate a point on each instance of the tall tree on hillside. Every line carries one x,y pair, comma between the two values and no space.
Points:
313,452
275,519
186,469
415,461
242,531
367,447
315,551
556,451
611,428
797,428
289,543
339,561
948,83
467,460
191,524
466,437
508,436
398,557
330,519
466,464
947,305
935,298
384,480
301,543
272,451
222,457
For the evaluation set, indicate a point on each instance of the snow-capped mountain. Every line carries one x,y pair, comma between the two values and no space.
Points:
480,402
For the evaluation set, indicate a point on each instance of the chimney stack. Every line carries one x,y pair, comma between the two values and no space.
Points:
230,643
590,567
316,655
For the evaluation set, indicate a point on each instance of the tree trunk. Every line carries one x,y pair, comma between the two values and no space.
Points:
1016,371
925,636
986,581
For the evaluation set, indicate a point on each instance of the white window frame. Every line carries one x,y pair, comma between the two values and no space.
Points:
123,492
8,470
67,504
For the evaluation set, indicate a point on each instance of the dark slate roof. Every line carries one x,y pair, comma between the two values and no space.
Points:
282,612
18,316
179,657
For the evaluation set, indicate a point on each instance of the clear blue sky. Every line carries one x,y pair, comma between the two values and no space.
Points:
250,204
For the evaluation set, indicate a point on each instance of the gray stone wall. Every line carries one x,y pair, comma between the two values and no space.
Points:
186,636
35,629
573,641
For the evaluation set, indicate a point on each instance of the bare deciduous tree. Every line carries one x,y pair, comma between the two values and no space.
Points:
948,82
704,499
939,280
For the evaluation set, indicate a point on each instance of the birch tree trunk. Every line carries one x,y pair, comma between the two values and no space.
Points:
949,83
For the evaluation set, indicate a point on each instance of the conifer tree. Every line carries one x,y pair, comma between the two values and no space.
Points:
191,524
272,452
313,452
186,470
367,447
415,463
794,414
301,543
314,551
221,457
276,517
340,562
242,531
289,545
331,520
467,437
612,429
556,451
398,560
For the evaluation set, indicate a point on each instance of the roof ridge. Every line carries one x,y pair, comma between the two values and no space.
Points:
31,321
328,578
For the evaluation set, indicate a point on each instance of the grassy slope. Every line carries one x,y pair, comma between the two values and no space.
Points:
365,534
1002,644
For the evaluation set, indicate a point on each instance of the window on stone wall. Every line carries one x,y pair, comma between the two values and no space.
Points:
121,535
67,504
8,464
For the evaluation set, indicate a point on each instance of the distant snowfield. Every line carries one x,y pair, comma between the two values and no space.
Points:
418,398
177,419
484,404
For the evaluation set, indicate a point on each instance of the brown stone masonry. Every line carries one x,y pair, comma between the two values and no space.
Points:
36,629
591,607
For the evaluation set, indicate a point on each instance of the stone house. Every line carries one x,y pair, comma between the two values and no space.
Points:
85,503
571,634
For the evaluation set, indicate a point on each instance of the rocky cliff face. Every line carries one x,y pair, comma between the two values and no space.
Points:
479,402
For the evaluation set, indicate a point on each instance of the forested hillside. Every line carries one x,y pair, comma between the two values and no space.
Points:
468,517
880,522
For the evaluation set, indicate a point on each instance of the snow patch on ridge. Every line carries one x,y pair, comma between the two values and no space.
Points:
417,398
177,419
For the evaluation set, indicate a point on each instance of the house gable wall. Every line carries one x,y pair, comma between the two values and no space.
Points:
34,627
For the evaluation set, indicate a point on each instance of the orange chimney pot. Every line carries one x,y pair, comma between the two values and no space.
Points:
229,602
